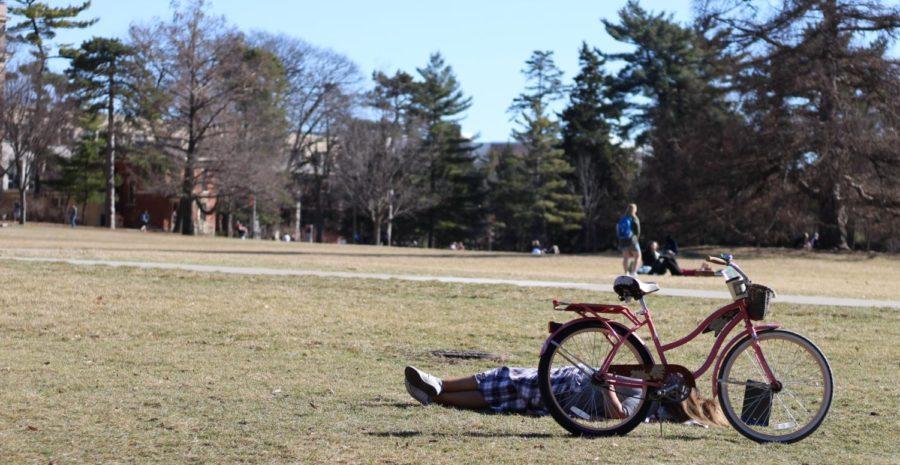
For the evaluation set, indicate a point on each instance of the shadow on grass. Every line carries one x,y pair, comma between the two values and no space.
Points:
400,405
469,434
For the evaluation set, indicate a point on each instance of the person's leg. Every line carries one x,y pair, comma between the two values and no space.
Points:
626,254
637,258
466,383
472,400
672,265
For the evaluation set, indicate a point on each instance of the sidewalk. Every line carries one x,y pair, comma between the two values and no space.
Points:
674,292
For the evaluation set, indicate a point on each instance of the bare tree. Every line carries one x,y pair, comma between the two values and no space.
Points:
250,165
35,123
191,78
321,88
378,167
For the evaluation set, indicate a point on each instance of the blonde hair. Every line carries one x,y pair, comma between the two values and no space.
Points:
631,209
699,409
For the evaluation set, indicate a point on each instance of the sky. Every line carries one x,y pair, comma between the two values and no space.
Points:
485,41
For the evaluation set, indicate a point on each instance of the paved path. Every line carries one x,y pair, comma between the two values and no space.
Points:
676,292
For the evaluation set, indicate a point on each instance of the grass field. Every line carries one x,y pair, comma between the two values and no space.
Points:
856,275
117,365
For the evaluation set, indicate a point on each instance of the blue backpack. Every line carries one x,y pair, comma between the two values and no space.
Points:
624,228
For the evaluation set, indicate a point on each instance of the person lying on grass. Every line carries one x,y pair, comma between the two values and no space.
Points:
515,390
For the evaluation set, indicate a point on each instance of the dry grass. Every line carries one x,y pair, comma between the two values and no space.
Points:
103,365
856,275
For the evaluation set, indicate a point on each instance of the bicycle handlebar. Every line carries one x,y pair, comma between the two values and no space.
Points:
726,260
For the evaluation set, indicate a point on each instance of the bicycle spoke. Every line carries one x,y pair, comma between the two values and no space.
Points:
577,363
590,406
796,408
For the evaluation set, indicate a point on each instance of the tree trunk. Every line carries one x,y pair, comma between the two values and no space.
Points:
185,210
376,225
355,226
111,152
23,209
834,215
254,219
298,226
185,218
390,225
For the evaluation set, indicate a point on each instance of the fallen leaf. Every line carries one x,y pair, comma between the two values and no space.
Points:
30,428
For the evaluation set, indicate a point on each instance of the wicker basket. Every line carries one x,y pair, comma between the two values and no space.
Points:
758,301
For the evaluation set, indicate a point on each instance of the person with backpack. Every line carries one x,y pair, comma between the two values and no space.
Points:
628,232
145,221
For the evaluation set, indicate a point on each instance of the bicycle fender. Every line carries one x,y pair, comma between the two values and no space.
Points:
727,348
620,328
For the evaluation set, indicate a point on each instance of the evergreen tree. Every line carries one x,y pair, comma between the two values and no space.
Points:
40,22
36,27
393,98
97,72
555,209
602,168
680,123
82,174
454,184
823,93
510,199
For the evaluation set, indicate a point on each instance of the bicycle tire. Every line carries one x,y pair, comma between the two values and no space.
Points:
549,399
745,427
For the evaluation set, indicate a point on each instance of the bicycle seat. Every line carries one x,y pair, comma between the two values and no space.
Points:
626,286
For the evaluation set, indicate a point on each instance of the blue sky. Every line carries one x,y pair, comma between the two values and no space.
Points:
485,41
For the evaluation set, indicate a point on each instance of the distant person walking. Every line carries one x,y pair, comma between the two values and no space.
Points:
810,243
628,232
73,216
145,221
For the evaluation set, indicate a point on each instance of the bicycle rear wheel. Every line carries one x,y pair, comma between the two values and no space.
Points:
571,395
766,414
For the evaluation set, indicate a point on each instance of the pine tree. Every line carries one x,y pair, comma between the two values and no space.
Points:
510,198
680,122
37,26
555,209
97,72
82,174
601,167
393,97
454,185
823,92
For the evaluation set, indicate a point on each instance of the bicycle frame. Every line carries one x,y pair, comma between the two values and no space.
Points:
645,319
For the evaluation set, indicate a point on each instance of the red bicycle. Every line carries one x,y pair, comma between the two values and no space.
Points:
773,385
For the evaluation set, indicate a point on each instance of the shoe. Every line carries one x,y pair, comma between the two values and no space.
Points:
430,385
417,394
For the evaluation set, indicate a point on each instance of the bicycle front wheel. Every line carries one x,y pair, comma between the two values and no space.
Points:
786,413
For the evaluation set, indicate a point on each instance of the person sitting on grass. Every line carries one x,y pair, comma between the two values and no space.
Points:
656,262
515,390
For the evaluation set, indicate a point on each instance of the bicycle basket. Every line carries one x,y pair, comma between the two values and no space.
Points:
758,301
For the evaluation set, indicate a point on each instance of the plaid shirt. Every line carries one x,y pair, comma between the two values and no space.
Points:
516,390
